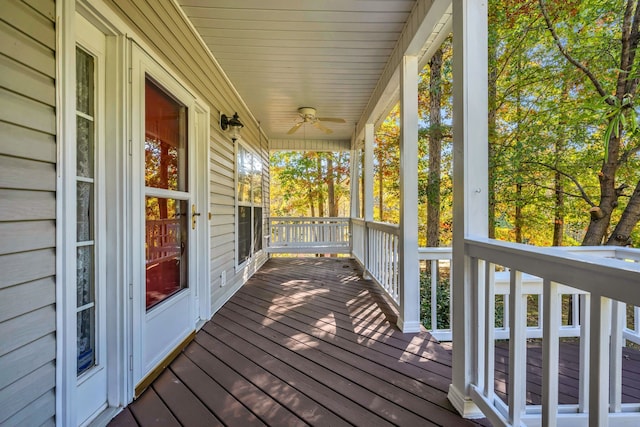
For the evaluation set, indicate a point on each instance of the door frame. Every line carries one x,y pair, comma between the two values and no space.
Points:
118,253
142,65
110,263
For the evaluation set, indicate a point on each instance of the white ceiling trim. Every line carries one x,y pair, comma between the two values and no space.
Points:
428,25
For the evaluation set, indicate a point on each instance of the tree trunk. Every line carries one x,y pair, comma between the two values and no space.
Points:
493,109
519,220
319,180
558,184
435,147
621,235
331,192
601,215
558,220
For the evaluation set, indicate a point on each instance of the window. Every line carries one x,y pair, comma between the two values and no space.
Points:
85,182
166,191
249,196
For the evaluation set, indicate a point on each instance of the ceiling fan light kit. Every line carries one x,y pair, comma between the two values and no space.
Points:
308,115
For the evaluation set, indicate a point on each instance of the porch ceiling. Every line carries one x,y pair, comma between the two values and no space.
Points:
285,54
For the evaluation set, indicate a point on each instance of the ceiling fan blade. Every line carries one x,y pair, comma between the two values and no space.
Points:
295,128
317,125
332,119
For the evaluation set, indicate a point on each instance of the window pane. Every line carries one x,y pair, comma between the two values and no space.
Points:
84,82
257,180
257,229
86,320
84,215
166,248
84,275
244,233
244,175
165,140
84,147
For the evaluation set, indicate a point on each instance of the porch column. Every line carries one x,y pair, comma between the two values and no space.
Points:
355,183
369,138
470,188
409,319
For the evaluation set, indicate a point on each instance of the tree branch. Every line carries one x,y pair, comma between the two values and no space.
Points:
632,45
628,153
566,193
571,59
585,197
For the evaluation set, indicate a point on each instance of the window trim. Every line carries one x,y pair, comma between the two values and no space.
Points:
240,145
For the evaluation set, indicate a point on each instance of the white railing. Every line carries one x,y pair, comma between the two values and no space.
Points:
382,257
604,284
162,240
437,261
358,237
309,235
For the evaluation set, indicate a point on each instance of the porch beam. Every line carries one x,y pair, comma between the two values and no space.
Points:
409,319
470,186
427,26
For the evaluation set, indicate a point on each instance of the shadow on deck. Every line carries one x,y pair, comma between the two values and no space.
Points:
307,341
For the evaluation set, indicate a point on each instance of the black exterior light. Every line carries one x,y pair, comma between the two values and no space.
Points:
233,124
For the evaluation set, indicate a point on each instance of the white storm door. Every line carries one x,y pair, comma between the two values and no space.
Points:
164,214
91,339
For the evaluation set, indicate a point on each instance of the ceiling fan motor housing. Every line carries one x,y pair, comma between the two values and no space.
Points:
307,113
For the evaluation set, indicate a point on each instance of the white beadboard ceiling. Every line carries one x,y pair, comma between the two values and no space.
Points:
285,54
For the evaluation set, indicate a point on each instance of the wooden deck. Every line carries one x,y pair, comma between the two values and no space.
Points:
308,342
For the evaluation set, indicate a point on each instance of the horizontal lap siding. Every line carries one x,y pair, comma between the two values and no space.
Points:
166,31
27,212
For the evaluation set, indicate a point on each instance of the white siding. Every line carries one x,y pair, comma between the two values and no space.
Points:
167,31
27,212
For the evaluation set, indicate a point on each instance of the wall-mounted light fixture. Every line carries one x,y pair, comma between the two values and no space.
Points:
233,124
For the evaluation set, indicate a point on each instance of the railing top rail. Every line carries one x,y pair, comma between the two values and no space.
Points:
434,253
309,218
612,278
358,221
606,251
384,226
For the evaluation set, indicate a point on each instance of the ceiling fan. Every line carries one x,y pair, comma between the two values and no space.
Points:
308,115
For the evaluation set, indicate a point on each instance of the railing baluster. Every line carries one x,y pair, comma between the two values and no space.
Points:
434,294
600,329
489,326
517,349
585,346
550,352
618,310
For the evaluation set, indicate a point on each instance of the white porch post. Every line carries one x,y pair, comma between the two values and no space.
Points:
369,138
470,187
355,183
409,319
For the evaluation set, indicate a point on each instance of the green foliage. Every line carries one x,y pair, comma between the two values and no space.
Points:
443,302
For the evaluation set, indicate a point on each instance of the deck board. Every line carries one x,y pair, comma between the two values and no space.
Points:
307,341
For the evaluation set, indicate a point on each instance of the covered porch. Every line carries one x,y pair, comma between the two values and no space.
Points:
308,341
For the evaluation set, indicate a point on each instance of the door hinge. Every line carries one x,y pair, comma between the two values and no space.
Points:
130,75
130,290
130,147
131,362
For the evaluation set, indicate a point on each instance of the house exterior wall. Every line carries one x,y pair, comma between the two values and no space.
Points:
164,27
27,212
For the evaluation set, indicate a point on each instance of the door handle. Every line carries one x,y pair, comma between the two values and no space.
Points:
194,216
